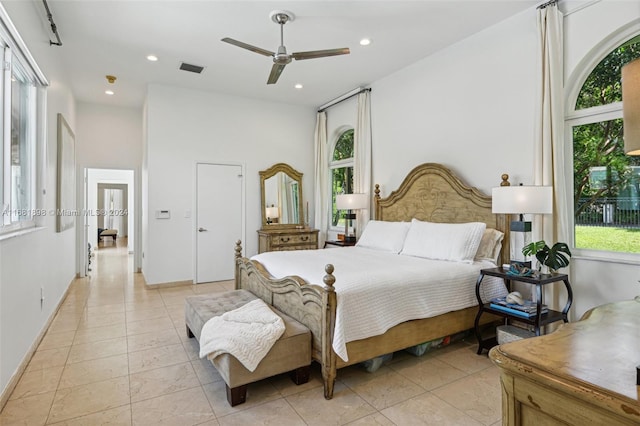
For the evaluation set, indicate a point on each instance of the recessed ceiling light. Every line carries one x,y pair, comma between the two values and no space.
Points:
298,86
109,92
152,58
365,42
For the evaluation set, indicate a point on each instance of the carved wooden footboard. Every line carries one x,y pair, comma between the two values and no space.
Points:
312,305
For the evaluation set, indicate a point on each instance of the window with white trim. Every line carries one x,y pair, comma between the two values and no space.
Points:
606,182
22,94
341,171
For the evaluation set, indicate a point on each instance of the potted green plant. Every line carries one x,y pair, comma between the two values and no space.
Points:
554,257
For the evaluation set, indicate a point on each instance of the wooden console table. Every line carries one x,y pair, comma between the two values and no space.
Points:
582,374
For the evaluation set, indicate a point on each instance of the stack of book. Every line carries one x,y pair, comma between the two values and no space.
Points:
528,310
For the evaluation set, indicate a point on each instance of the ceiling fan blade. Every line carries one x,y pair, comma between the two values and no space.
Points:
320,53
276,70
248,46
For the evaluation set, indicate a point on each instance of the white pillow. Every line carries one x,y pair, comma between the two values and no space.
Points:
490,245
385,236
457,242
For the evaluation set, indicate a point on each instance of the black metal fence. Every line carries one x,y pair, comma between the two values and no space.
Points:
619,212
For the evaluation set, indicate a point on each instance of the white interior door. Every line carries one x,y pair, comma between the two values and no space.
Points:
218,220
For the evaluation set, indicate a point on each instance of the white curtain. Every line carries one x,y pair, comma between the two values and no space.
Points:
113,202
321,175
284,200
549,128
362,157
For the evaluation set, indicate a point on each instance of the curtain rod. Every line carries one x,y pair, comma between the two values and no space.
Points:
547,4
344,97
53,26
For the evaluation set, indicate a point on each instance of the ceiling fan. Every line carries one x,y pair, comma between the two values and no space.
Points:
281,58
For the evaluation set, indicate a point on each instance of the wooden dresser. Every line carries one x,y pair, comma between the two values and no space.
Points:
287,239
582,374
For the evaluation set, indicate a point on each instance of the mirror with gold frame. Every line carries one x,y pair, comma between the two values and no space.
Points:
281,197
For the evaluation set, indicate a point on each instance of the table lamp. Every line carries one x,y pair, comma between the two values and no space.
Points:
272,213
521,200
350,202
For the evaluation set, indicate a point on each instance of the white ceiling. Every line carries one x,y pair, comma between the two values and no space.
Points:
115,36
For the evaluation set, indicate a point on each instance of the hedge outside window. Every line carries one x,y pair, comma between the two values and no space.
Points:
341,168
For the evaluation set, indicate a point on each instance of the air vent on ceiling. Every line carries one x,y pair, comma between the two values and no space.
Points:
191,68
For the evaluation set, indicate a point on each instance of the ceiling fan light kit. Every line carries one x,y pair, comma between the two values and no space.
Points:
282,16
281,58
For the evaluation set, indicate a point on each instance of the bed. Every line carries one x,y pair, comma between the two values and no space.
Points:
430,192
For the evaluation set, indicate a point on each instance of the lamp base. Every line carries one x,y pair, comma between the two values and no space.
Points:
520,226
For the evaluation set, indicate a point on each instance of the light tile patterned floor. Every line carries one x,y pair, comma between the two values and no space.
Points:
117,353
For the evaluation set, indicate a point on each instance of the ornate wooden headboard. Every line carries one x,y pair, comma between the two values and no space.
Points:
431,192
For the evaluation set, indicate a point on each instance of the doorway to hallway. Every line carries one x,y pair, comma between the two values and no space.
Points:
110,213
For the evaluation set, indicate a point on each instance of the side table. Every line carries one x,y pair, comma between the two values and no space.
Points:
540,319
339,243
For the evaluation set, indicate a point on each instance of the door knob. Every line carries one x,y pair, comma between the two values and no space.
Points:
201,229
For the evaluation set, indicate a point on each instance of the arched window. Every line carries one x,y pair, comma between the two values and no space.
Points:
606,182
341,170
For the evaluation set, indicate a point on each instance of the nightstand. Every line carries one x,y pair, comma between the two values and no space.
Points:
339,243
540,319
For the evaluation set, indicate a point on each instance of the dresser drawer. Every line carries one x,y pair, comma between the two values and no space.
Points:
298,247
287,239
293,239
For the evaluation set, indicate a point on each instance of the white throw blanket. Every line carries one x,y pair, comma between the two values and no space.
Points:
247,333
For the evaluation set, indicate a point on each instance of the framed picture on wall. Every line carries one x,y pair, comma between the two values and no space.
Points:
66,187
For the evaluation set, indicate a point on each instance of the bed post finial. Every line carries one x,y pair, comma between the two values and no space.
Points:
505,180
329,279
238,249
377,192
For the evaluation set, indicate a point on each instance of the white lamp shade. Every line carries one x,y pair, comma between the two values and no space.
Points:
522,199
351,201
631,107
272,212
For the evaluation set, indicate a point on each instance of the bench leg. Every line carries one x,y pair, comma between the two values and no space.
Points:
236,395
300,375
189,333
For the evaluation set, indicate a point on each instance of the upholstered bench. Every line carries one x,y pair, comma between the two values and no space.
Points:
113,233
291,352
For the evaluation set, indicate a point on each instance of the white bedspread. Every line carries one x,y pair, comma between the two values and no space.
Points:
377,290
247,333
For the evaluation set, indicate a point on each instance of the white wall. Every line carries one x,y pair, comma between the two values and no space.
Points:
469,107
110,137
42,259
184,126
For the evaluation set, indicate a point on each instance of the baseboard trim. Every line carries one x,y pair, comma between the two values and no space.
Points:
168,284
15,378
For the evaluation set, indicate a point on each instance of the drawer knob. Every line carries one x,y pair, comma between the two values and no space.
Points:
284,240
304,238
